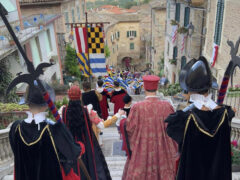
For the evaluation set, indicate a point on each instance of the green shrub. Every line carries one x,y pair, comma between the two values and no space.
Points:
171,90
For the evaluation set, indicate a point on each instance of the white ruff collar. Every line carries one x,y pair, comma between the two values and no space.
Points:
39,117
100,89
117,89
199,101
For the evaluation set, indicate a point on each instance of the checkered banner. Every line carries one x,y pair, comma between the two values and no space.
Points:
90,50
96,51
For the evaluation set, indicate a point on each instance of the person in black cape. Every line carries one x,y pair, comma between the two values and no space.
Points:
76,117
91,97
42,148
202,131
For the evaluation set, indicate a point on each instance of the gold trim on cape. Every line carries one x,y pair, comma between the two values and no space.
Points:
39,138
191,116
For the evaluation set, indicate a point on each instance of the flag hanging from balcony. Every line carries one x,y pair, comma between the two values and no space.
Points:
96,51
81,45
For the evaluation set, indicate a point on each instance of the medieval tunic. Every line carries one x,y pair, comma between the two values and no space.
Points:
153,152
42,150
117,99
204,143
103,103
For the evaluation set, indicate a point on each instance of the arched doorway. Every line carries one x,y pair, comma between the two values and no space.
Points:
183,61
126,61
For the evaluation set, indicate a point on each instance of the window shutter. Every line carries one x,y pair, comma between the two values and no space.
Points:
175,52
118,34
183,61
219,21
177,12
127,33
135,33
186,16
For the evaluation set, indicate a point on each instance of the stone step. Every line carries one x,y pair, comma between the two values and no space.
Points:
8,177
115,158
117,173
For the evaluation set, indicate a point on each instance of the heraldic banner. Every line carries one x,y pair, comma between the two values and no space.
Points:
90,50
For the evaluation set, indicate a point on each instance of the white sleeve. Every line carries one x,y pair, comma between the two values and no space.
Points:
100,125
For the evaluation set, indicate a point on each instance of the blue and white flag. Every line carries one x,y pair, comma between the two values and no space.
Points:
98,64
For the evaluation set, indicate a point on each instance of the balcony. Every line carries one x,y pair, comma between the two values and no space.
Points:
194,3
39,2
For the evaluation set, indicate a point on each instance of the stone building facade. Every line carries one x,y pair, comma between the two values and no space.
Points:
70,10
219,31
123,40
184,38
158,18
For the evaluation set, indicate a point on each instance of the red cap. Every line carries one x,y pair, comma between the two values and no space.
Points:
151,82
74,93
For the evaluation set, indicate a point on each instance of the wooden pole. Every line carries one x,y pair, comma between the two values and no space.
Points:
86,26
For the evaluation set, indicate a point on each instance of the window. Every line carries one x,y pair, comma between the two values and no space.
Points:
49,39
219,21
186,16
183,61
73,16
131,46
168,48
177,12
118,34
168,9
38,47
175,52
78,12
131,33
66,19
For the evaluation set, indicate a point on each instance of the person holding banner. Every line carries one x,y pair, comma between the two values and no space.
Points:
202,130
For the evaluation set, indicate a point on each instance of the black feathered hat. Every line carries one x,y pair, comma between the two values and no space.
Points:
196,76
34,94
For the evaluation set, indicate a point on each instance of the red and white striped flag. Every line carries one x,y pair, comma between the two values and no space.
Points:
81,46
174,33
214,55
184,38
80,37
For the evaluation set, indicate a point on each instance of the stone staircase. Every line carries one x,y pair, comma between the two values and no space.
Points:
116,166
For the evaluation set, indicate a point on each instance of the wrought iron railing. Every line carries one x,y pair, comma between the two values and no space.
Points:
24,2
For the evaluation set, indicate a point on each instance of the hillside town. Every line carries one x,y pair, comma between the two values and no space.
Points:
119,89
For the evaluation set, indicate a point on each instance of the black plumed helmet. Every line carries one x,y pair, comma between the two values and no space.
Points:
196,76
34,95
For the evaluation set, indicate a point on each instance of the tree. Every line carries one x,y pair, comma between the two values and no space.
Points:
71,62
5,80
107,51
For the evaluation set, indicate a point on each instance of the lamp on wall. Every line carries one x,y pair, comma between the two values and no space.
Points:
190,28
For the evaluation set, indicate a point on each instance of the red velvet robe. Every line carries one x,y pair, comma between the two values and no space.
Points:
153,152
117,99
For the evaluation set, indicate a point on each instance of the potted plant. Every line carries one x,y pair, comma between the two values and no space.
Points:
235,156
174,23
182,30
173,61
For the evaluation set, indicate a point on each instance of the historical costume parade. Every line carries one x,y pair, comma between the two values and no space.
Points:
202,130
149,129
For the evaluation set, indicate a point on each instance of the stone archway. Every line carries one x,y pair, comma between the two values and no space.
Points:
126,62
